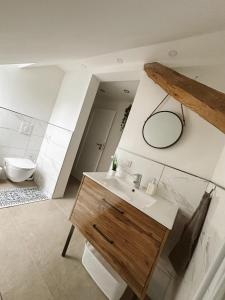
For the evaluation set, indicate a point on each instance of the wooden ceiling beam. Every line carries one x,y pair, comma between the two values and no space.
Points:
205,101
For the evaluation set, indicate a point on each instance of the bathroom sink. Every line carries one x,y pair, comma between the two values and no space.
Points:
158,208
127,192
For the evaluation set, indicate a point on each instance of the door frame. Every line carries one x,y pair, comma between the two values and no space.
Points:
84,137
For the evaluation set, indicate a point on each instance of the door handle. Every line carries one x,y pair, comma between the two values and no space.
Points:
100,146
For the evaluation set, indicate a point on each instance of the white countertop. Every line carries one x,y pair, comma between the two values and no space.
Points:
159,209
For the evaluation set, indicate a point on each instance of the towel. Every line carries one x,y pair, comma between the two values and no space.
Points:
181,254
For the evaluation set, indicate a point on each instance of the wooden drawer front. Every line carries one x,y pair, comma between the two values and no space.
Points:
126,246
143,222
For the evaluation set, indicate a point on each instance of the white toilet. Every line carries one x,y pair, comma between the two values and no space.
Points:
18,169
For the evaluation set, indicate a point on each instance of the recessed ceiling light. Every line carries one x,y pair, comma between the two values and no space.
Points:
126,91
172,53
119,60
101,90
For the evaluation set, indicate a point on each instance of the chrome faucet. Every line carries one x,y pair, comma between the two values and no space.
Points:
137,181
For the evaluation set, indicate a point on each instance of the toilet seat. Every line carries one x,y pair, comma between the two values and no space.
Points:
20,163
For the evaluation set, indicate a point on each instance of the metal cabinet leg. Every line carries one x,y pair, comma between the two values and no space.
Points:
129,295
68,241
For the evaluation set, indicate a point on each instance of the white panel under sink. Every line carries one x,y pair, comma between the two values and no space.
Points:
111,284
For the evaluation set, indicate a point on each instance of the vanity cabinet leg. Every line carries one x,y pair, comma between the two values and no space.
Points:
68,241
130,295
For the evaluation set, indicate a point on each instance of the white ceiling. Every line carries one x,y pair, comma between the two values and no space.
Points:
202,50
54,30
114,90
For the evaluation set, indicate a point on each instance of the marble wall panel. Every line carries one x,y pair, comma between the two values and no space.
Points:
211,240
14,142
185,190
51,157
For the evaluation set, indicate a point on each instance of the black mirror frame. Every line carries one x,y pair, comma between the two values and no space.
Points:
182,128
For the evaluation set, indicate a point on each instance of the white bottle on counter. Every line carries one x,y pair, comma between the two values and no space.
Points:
151,188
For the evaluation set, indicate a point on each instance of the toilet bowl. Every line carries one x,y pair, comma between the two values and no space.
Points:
18,169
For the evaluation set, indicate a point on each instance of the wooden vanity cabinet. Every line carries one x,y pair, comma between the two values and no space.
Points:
128,239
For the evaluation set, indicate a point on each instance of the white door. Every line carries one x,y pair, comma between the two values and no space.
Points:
94,141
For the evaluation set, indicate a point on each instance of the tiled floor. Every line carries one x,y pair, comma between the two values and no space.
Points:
6,184
31,240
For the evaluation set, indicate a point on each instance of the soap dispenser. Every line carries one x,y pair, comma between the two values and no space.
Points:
151,188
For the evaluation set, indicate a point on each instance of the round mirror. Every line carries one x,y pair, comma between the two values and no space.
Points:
162,129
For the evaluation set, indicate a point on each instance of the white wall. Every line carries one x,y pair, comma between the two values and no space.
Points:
73,146
60,145
198,149
30,91
219,172
70,98
212,76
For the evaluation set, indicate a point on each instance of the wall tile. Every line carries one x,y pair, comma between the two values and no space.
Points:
211,239
51,157
13,143
10,152
149,169
183,189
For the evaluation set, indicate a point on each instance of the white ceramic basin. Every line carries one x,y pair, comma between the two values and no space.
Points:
126,191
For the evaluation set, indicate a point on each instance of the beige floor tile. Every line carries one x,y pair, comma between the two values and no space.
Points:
19,276
67,202
31,264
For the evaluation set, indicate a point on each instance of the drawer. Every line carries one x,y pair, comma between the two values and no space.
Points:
143,222
123,239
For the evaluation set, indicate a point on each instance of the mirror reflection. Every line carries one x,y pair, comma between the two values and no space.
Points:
162,129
